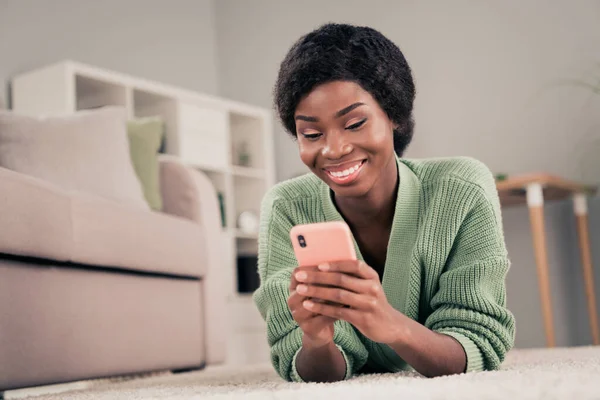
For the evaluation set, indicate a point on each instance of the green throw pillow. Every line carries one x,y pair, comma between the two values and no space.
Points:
145,138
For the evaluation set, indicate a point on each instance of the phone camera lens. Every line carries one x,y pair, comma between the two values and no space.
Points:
302,241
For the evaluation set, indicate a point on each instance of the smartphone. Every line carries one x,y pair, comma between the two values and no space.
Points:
322,242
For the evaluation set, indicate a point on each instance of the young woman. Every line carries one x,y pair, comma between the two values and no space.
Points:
428,291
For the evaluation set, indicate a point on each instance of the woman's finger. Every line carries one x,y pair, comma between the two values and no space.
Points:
335,312
340,280
293,280
354,267
299,313
337,296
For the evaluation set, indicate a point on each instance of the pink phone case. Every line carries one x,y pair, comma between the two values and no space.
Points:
322,242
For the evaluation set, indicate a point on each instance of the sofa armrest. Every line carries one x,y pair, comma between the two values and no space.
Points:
189,193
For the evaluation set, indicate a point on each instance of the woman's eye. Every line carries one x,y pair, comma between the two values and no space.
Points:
357,125
312,136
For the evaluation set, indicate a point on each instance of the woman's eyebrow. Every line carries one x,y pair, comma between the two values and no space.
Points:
338,114
308,119
346,110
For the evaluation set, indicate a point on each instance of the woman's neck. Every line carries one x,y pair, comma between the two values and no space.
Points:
377,206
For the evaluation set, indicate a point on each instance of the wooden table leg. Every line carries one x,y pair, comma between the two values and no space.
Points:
535,202
581,213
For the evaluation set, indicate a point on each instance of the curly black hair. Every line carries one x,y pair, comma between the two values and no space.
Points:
342,52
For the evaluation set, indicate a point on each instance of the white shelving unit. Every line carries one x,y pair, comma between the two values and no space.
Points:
206,132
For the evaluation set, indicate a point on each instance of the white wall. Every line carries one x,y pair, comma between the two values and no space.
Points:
487,75
484,72
170,41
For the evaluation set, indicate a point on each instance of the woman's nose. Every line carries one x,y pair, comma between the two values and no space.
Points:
336,146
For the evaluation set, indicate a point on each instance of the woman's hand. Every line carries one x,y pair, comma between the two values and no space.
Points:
352,292
318,329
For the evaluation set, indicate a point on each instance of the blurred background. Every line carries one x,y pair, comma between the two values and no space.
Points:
501,81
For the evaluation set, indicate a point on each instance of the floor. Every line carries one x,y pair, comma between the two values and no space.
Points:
563,373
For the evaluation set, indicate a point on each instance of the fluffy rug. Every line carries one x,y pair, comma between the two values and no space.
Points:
564,373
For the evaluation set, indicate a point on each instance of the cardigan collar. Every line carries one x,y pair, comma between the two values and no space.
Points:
402,237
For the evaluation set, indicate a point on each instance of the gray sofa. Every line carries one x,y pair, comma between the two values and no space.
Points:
90,288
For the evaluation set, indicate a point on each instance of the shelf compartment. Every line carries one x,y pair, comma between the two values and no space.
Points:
247,263
203,136
247,138
243,235
248,172
92,93
148,104
248,195
219,181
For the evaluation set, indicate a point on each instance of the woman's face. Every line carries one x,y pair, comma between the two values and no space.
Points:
344,137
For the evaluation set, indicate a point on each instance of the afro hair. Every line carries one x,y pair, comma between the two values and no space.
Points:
342,52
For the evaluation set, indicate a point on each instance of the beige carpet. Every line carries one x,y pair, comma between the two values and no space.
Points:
567,373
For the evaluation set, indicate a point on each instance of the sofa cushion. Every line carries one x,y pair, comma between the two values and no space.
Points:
85,151
109,234
39,220
145,139
34,217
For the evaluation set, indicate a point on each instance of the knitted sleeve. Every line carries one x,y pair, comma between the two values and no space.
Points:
470,304
276,261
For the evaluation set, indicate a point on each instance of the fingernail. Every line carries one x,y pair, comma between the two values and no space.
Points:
301,275
308,304
324,267
301,288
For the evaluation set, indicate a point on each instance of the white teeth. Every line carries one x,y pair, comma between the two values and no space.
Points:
345,172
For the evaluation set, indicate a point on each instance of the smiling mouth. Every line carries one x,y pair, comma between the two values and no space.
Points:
346,175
